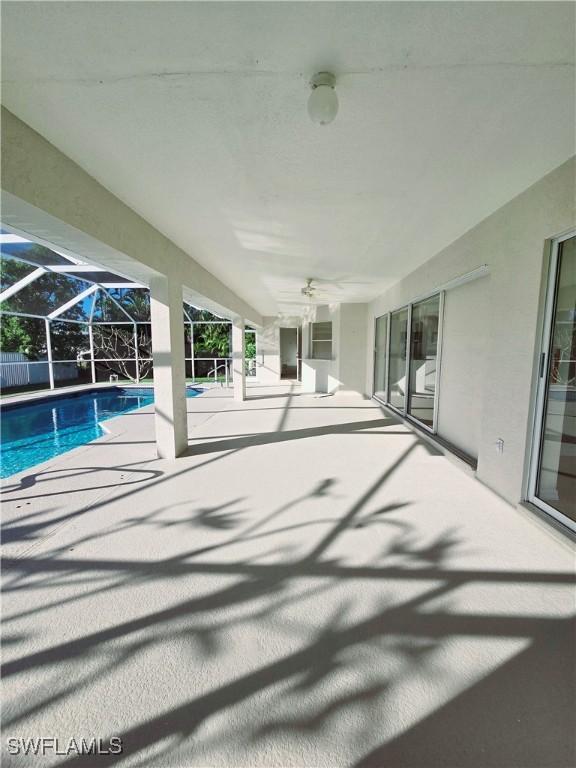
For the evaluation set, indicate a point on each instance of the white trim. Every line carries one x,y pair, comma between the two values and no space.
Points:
76,267
10,238
118,285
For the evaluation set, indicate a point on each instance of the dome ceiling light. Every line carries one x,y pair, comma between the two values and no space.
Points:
323,101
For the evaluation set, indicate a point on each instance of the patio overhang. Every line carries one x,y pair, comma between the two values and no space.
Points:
49,198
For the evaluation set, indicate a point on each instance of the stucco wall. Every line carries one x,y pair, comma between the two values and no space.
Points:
492,327
268,365
462,366
352,347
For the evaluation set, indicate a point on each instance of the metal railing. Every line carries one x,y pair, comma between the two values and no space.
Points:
215,372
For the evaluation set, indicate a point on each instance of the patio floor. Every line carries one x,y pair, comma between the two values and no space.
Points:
313,585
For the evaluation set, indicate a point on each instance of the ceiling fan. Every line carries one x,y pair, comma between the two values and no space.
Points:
312,291
309,290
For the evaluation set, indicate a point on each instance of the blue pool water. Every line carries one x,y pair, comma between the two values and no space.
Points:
34,432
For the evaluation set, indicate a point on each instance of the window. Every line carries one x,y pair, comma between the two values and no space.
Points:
411,366
380,339
321,341
423,360
397,359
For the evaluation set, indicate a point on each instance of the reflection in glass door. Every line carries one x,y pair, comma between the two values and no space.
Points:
423,359
380,342
553,481
397,358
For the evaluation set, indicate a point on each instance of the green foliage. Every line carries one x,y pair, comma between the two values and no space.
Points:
17,335
45,294
250,346
212,340
11,271
136,302
200,314
27,335
68,340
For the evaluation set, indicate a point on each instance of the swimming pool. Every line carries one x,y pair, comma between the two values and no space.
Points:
38,430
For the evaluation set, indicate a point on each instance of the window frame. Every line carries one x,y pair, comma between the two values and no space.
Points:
541,373
404,410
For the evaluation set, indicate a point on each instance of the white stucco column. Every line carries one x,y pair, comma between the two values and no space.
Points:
238,354
169,371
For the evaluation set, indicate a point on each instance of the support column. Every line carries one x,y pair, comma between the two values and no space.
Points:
136,356
92,363
49,352
169,368
238,355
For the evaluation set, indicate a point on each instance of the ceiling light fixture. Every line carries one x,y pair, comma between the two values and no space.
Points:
323,101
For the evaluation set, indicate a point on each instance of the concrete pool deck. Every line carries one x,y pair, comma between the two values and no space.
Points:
312,585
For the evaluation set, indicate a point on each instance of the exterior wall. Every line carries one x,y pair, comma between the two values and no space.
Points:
268,364
352,347
345,372
492,328
321,375
462,366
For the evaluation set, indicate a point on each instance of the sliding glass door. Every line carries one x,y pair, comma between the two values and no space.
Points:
553,474
397,359
425,323
380,357
406,359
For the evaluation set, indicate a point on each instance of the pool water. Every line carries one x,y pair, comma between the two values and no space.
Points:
36,431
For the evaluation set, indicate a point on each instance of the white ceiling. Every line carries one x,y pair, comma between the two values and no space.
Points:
195,115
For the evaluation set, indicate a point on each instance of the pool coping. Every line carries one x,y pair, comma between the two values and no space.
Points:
45,395
112,427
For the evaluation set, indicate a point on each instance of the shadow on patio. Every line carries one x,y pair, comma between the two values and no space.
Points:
311,657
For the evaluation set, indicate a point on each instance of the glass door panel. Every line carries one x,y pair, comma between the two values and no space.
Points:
423,359
397,358
556,470
380,343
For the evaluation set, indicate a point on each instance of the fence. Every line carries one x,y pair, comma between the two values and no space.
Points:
16,371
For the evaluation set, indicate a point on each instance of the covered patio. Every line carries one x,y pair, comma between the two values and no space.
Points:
312,584
350,545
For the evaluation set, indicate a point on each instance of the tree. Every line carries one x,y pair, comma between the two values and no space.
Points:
121,345
27,335
17,334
